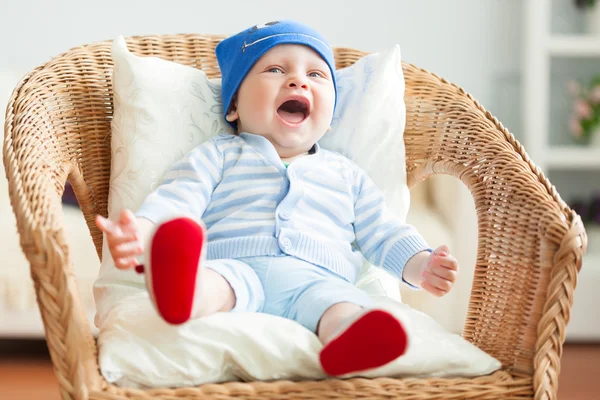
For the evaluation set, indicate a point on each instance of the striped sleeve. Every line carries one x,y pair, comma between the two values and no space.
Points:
382,237
187,186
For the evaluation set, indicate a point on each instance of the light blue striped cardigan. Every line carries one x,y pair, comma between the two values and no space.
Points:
322,209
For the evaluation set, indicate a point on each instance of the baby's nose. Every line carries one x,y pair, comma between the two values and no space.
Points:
298,82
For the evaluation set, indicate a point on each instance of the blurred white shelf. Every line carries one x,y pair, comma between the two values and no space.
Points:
541,47
585,313
572,157
574,45
584,325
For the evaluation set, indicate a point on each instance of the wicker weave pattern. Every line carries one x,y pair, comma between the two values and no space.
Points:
529,252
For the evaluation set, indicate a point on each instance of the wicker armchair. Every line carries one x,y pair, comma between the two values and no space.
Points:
529,252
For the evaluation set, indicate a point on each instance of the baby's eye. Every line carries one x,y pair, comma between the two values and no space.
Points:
315,75
275,70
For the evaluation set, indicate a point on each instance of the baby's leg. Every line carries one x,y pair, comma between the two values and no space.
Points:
335,317
183,286
357,340
214,294
356,336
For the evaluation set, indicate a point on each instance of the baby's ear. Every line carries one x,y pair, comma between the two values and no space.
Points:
232,113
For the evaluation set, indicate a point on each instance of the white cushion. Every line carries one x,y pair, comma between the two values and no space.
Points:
162,110
147,352
369,121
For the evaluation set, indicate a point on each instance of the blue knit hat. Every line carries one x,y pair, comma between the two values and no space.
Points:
237,54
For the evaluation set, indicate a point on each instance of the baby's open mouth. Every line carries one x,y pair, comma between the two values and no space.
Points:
293,111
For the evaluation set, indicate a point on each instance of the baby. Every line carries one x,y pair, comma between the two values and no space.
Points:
265,220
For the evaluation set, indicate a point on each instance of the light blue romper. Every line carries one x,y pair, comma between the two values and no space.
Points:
287,287
289,240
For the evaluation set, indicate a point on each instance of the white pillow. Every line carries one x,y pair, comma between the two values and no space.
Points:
139,350
163,109
368,125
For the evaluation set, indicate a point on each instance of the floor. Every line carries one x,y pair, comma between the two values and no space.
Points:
26,372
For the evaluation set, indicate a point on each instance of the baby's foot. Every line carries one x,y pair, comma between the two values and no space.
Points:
173,259
373,340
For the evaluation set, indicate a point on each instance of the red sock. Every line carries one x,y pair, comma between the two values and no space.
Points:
373,340
174,259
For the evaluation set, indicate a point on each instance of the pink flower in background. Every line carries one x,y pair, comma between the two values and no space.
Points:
575,127
582,109
585,114
574,88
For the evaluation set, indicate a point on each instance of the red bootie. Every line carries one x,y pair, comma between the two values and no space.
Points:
373,340
173,257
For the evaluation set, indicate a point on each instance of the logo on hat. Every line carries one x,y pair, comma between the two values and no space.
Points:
257,27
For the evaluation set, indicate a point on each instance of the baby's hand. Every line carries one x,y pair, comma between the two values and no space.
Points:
123,238
439,271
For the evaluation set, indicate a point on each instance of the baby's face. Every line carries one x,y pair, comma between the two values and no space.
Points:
287,97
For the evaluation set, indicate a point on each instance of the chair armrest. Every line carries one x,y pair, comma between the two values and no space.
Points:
37,169
530,244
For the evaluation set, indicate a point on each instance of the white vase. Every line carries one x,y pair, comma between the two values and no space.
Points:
592,19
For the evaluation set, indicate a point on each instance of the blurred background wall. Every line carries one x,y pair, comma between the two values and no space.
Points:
481,45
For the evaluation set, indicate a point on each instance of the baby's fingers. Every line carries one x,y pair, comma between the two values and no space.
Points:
442,251
432,289
127,250
125,263
115,240
448,262
128,221
439,283
443,272
105,224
